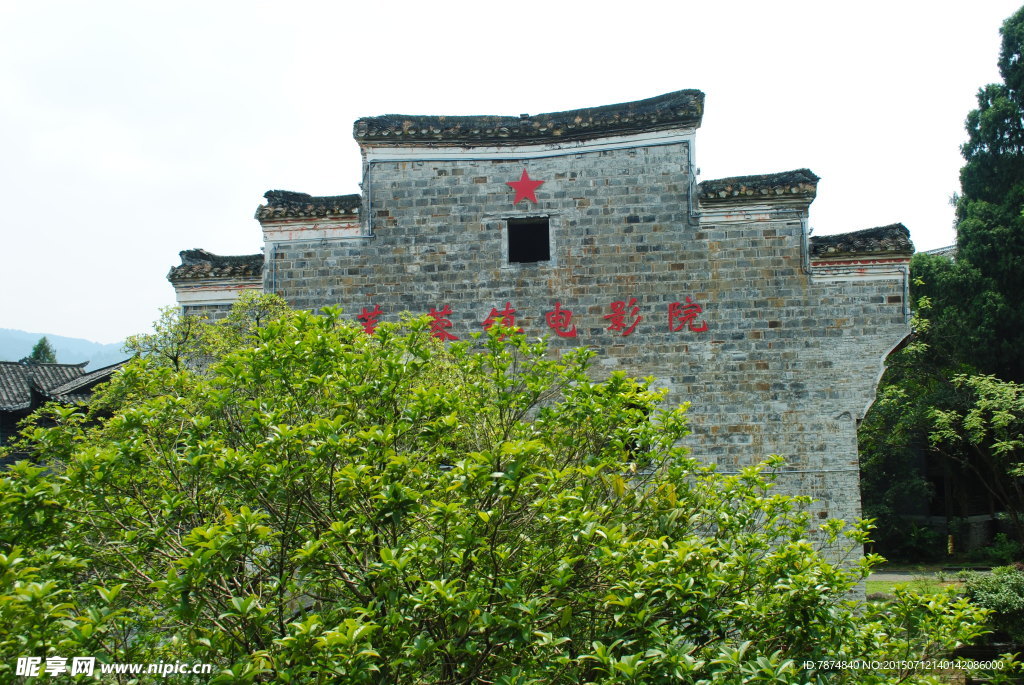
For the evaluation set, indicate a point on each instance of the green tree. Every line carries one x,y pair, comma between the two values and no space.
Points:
892,442
976,298
251,312
975,325
42,353
987,436
176,339
179,339
326,506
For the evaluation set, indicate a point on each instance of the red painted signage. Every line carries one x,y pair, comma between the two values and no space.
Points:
559,321
619,315
440,323
680,315
507,317
369,318
624,318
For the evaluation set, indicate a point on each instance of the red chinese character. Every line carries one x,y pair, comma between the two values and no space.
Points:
679,316
440,323
508,318
559,320
369,318
618,316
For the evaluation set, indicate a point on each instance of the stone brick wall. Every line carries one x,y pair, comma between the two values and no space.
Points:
711,289
211,312
787,364
439,239
795,359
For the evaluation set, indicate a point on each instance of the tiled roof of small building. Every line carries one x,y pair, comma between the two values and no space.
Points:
796,183
18,380
894,239
79,389
949,251
682,108
286,204
202,264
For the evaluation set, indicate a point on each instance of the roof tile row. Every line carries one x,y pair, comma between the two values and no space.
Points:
796,183
682,108
891,239
18,380
199,264
286,204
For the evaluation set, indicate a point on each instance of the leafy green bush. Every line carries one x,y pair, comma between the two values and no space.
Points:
328,506
1002,551
1001,591
1005,549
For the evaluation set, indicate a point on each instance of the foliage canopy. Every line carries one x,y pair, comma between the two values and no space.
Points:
976,298
1002,591
967,358
321,505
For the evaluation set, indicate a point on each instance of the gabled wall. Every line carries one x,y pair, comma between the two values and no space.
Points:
716,290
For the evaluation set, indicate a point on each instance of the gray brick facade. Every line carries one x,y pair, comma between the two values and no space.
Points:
715,289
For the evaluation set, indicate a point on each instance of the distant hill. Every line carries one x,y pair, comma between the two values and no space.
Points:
17,344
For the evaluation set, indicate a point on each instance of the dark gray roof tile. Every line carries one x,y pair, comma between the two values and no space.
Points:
682,108
287,204
198,263
802,183
891,239
18,381
80,389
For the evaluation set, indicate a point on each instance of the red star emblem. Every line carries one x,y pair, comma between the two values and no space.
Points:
525,188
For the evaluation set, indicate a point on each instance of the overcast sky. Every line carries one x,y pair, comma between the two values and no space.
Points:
130,131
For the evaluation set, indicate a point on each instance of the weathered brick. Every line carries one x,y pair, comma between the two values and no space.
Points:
783,351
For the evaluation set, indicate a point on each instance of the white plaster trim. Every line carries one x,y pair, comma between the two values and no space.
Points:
214,294
783,208
312,230
425,152
878,272
848,262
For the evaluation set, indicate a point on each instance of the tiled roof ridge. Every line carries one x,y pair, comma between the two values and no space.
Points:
30,363
198,263
90,377
794,183
45,377
893,238
288,204
945,251
681,108
13,383
115,365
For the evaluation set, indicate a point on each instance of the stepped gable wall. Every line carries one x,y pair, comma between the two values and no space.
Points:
589,227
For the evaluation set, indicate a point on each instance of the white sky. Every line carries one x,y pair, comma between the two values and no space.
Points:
132,130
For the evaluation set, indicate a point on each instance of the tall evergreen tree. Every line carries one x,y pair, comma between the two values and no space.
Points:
42,353
970,325
976,299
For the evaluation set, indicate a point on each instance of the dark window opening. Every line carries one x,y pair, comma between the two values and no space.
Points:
528,241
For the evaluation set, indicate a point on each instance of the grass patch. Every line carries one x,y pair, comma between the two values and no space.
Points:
919,585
